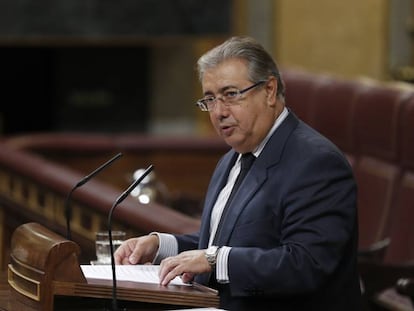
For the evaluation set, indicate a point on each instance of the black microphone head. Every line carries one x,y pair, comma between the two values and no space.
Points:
84,180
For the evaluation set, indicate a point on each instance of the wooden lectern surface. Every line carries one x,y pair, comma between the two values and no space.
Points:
66,303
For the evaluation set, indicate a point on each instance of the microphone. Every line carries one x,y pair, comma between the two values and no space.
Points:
84,180
111,248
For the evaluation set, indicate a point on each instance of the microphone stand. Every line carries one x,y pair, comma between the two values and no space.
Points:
84,180
118,201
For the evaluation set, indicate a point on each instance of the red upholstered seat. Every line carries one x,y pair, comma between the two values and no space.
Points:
401,231
407,134
382,280
377,170
301,90
334,113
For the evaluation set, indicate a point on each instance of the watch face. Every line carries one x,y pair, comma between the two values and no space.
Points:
211,254
211,250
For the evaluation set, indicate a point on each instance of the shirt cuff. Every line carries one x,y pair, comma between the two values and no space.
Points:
222,273
168,247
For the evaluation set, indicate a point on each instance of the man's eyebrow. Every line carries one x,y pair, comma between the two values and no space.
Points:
221,90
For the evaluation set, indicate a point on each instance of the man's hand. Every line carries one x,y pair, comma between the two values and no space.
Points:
186,264
137,250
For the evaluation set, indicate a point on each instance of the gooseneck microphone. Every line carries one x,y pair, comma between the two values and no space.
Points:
84,180
116,203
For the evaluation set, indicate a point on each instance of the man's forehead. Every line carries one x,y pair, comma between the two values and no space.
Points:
224,74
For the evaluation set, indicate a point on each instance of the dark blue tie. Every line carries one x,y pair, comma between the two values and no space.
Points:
247,160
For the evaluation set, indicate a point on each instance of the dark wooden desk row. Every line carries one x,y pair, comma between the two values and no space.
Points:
37,173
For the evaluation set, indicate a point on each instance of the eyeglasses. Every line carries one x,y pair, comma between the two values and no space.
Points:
229,97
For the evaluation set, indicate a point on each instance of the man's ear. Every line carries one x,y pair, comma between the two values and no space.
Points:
271,91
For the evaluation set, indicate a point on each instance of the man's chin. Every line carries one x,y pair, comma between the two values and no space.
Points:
233,142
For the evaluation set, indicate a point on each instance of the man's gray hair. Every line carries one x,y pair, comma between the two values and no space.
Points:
260,64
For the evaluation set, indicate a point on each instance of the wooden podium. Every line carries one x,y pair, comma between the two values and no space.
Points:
44,268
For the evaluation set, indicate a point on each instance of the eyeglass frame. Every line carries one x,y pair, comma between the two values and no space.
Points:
227,101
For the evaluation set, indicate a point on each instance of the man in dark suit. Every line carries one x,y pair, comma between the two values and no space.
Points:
287,238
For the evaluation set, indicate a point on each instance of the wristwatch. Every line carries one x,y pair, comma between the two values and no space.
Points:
211,255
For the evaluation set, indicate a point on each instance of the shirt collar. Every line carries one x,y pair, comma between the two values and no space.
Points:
277,123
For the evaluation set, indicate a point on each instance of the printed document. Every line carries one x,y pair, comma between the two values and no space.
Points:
134,273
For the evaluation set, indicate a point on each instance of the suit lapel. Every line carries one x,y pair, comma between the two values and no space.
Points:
251,183
255,178
217,183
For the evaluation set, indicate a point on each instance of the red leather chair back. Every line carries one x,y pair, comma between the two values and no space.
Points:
377,170
401,229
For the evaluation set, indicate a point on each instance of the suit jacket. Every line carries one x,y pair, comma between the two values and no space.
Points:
292,227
